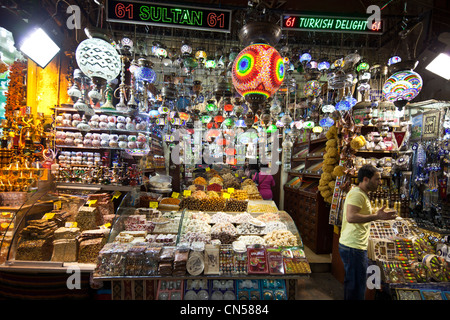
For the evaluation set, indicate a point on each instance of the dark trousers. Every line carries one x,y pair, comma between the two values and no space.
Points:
355,265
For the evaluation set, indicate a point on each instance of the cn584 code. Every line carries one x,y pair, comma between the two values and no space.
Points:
246,309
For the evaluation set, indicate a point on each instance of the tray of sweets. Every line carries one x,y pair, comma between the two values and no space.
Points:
170,290
222,290
257,261
273,289
248,289
196,289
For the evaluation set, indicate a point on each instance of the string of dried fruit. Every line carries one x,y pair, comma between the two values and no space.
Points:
15,95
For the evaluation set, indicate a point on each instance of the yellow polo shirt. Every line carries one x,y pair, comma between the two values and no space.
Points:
356,235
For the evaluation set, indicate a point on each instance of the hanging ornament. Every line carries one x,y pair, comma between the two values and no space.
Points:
402,86
312,88
258,72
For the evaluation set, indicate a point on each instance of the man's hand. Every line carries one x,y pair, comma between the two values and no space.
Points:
383,214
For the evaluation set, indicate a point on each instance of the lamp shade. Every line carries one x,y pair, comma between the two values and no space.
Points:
312,88
402,86
97,58
145,74
258,70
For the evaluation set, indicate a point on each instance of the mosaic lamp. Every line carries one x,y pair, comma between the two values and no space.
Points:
257,73
98,60
144,72
402,86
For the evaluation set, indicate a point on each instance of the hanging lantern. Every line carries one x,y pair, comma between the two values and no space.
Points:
402,86
229,122
258,70
186,49
343,105
219,119
363,66
144,72
163,110
98,60
323,65
326,122
394,60
206,119
184,116
305,58
312,88
210,64
317,129
240,123
228,107
200,55
272,128
161,53
153,114
211,108
308,124
212,125
328,108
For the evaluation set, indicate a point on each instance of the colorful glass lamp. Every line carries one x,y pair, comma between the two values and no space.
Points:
402,86
257,73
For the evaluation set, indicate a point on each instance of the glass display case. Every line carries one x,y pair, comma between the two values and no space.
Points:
145,243
57,227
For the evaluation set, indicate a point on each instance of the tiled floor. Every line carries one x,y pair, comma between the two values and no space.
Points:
321,285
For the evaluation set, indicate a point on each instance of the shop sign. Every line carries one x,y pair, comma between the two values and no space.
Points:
304,22
168,15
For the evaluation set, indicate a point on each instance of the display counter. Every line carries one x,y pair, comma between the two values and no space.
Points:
259,247
138,237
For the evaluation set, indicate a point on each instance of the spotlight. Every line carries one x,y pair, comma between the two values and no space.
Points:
440,66
39,47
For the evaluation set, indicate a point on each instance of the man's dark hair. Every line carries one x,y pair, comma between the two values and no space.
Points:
366,171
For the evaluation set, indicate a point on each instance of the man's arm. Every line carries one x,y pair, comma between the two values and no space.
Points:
353,215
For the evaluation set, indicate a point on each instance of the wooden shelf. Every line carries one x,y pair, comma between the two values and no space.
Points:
315,141
103,130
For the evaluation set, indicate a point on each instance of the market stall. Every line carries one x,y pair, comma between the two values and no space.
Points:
134,153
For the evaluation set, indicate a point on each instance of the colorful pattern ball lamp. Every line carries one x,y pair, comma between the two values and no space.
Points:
402,87
258,72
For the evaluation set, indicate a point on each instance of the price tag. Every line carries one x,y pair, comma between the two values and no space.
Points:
105,226
70,224
187,193
230,190
57,205
226,195
207,169
116,195
236,175
91,202
175,195
153,204
48,216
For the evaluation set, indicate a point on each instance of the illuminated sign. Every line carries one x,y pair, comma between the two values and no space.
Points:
167,15
330,24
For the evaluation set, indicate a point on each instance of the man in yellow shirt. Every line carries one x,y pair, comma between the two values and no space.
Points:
354,239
